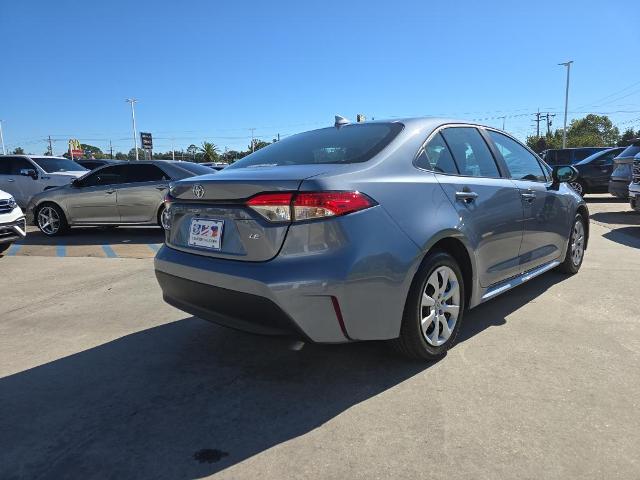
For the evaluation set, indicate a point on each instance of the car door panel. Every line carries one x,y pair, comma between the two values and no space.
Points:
545,213
95,204
139,202
488,206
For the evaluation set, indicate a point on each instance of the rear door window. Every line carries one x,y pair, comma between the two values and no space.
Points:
522,164
470,151
18,164
436,156
145,173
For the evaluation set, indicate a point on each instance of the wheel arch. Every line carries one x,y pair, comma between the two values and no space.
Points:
456,245
41,204
582,210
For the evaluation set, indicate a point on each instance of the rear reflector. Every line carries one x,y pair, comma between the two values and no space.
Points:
286,207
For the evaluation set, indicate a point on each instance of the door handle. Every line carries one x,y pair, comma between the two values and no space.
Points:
162,189
110,191
10,180
466,196
528,197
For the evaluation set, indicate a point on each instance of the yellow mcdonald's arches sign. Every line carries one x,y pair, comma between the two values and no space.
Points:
75,149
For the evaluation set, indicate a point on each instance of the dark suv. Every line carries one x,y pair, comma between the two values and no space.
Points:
594,172
568,156
622,165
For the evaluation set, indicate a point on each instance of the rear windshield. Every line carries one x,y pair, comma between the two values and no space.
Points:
52,164
631,150
348,144
194,168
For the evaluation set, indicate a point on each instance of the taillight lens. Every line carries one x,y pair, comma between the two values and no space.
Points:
275,207
287,207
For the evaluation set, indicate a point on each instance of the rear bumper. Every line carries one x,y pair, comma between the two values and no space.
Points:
239,310
12,231
634,197
353,289
619,188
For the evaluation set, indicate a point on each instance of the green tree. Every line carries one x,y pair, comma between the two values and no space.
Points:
209,152
94,152
592,131
257,145
192,150
18,151
120,156
231,156
627,136
132,154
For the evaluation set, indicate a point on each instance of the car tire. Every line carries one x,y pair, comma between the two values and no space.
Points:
4,247
437,294
579,187
160,214
575,247
58,222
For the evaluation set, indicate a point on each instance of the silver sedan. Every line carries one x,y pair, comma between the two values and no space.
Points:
128,193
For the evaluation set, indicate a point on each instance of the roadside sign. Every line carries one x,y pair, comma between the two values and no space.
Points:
75,150
146,140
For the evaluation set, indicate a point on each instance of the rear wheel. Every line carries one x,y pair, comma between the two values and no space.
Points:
4,247
434,309
51,220
575,249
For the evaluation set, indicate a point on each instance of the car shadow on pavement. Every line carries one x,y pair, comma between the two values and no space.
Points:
97,236
629,236
605,199
188,399
627,217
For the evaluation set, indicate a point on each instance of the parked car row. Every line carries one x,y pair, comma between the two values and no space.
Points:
600,169
57,193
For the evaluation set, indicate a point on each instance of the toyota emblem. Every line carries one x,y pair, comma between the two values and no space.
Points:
198,191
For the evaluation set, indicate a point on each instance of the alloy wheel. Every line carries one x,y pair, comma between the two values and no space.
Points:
48,220
577,243
440,306
577,186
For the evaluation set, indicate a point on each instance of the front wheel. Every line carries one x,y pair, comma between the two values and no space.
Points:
579,187
4,247
575,249
434,309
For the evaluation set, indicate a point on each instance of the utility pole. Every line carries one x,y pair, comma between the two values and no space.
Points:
252,143
133,119
278,136
537,123
504,118
566,103
110,150
50,147
4,152
548,116
173,152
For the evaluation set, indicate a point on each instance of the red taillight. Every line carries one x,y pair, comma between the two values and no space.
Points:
328,204
286,207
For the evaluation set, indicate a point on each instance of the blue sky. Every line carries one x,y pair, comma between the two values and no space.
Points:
206,70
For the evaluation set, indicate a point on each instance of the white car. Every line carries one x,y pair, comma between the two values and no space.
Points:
25,175
12,223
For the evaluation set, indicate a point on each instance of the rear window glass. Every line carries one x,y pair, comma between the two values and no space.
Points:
53,164
195,169
631,150
347,144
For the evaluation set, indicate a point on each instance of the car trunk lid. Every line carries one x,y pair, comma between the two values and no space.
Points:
221,197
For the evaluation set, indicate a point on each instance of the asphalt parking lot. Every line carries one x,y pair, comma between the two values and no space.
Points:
100,379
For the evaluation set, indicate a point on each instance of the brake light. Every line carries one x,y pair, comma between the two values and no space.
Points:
286,207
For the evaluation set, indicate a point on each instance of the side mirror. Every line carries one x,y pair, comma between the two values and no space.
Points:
29,172
564,174
76,183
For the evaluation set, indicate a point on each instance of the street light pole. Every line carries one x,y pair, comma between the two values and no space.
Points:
2,139
566,104
133,119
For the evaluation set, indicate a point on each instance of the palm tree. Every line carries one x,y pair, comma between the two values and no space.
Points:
209,152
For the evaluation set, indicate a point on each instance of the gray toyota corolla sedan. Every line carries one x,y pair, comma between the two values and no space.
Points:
371,231
123,193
